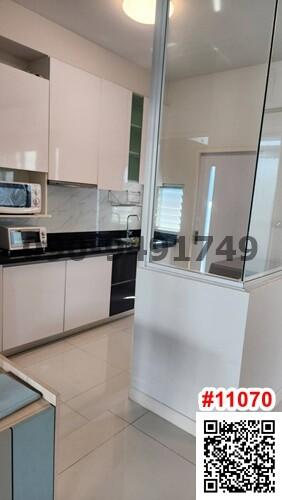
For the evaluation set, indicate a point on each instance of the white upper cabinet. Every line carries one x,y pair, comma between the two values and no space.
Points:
114,136
88,291
75,118
24,112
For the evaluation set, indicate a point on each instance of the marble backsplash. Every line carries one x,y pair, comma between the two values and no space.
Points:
82,209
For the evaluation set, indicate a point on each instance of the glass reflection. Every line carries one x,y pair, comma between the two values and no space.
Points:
266,215
217,57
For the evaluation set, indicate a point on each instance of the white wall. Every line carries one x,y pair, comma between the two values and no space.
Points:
30,29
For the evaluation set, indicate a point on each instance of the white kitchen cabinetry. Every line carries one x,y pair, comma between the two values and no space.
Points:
33,302
114,136
88,291
75,117
24,111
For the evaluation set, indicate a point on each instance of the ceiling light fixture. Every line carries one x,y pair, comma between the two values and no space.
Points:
143,11
217,5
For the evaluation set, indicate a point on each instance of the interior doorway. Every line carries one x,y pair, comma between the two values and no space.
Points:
223,204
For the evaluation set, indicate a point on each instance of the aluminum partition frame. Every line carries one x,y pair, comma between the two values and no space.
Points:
154,121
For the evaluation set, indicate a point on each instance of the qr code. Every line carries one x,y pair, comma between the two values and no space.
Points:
239,453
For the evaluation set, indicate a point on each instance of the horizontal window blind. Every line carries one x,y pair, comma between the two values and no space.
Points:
169,208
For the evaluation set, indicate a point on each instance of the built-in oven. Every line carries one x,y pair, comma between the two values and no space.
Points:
20,198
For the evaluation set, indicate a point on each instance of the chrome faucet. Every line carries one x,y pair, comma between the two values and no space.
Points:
128,232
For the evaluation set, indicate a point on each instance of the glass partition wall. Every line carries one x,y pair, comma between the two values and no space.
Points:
216,70
266,214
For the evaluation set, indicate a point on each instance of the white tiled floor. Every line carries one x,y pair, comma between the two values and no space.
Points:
110,448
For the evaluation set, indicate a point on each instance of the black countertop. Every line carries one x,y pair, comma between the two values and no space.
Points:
64,246
76,246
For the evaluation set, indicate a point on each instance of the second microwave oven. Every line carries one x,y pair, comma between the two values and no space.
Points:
20,198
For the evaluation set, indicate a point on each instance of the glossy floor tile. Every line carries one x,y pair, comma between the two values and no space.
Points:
114,347
128,410
112,395
83,338
123,323
88,437
177,440
278,407
69,420
72,372
129,466
40,353
102,397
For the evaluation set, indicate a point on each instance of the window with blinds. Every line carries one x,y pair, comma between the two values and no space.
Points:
169,208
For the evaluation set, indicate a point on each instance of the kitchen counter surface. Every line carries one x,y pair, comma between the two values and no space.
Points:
76,246
51,254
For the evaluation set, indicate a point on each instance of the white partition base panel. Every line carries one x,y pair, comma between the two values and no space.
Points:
261,363
190,334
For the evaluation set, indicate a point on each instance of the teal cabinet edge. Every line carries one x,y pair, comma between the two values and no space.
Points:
6,465
33,457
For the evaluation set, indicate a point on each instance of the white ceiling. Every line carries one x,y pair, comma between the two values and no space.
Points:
201,40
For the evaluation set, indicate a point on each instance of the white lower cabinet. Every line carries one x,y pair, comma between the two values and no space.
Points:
88,291
33,302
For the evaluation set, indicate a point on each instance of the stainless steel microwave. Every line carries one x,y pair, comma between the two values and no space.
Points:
20,198
21,238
